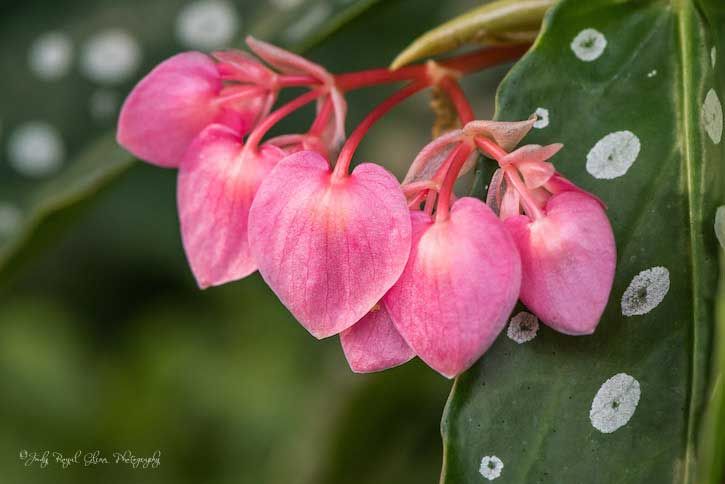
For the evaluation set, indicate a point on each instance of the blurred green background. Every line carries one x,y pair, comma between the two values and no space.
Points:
106,343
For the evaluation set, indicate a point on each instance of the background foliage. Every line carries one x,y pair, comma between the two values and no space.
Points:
105,342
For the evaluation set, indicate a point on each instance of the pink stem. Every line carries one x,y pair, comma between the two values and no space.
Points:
460,155
460,101
348,149
415,203
497,153
267,123
322,117
464,64
294,80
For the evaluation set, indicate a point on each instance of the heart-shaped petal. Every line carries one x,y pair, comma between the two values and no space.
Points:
458,288
373,343
169,107
217,182
568,260
329,248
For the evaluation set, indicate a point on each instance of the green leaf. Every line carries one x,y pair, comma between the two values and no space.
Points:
502,21
529,404
56,203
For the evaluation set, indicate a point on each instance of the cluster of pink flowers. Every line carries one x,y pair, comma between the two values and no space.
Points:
396,270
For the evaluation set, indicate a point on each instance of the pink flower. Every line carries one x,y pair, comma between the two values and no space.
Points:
190,91
373,343
169,107
565,240
218,179
458,288
329,245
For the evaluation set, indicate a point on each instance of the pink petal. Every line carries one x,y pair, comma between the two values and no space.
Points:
244,68
432,156
286,61
510,202
334,134
329,248
458,288
169,107
530,160
373,343
494,196
568,260
217,182
558,184
506,134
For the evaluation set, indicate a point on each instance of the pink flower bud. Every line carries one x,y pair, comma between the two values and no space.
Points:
329,247
458,288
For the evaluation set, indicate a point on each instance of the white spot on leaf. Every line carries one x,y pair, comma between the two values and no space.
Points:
110,57
712,116
652,73
720,225
35,149
713,56
10,219
612,156
615,403
491,467
589,44
207,24
51,55
646,291
523,327
542,118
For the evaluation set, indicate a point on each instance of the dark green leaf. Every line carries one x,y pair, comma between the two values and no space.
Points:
529,404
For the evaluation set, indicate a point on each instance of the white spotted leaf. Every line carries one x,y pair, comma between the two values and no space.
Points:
635,100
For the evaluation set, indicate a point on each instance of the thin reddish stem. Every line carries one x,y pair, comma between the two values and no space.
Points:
294,80
322,117
348,149
460,156
497,153
459,99
463,64
415,203
267,123
349,81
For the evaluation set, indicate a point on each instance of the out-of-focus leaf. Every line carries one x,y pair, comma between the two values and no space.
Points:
652,69
502,21
56,203
59,200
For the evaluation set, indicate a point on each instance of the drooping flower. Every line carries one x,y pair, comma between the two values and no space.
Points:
565,240
458,288
373,344
190,91
170,106
568,259
218,179
329,244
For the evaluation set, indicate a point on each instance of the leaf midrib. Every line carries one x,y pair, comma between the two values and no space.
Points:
683,9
